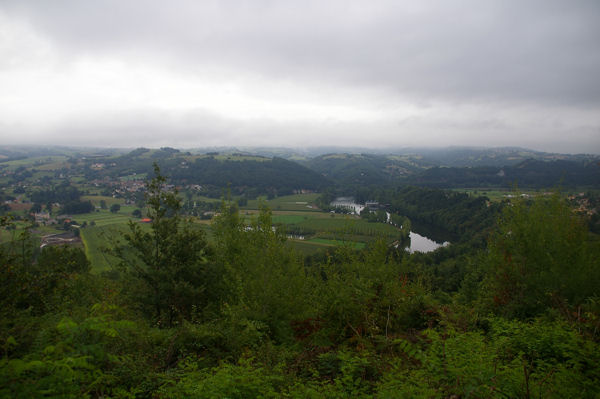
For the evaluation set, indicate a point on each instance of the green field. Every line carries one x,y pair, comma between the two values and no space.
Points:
308,248
97,198
352,244
37,162
108,228
329,230
303,214
206,199
288,219
52,166
336,231
45,230
10,235
97,239
348,225
283,217
323,230
296,202
104,217
315,245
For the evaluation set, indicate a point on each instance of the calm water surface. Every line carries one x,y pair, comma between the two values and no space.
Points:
418,243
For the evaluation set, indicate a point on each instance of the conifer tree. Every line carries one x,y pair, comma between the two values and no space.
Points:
169,260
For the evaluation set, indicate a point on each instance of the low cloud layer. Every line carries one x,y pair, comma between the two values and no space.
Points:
278,73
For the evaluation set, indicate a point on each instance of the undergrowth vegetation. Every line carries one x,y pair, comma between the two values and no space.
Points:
244,316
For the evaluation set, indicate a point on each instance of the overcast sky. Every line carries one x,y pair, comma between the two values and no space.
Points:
301,73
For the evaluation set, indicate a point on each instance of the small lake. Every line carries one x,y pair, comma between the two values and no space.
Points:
418,242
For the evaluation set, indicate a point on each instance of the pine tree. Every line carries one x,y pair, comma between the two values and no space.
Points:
170,260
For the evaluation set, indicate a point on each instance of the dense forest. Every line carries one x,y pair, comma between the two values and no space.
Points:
464,216
361,169
277,175
242,315
374,171
529,173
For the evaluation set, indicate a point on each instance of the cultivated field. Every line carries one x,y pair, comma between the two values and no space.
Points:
103,217
43,163
294,213
297,202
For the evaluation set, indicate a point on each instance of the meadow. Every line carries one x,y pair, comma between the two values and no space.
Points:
103,217
292,212
45,163
97,198
296,202
348,226
308,248
351,244
97,240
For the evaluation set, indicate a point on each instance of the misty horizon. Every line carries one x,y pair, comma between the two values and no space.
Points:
308,152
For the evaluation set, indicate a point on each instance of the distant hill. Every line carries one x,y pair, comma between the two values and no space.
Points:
428,157
473,156
459,167
8,153
283,170
237,171
362,169
473,167
265,175
528,173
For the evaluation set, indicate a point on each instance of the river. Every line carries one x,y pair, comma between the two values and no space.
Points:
418,242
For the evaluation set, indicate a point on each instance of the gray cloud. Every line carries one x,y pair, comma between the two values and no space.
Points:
500,55
480,50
